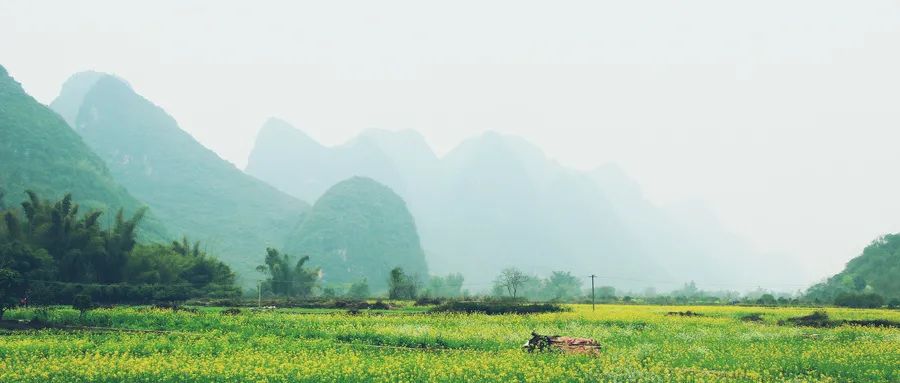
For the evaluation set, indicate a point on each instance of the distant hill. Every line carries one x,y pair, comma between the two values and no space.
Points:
191,189
497,201
39,151
876,270
359,229
285,150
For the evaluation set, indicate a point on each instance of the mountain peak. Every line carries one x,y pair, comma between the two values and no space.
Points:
276,130
404,147
73,91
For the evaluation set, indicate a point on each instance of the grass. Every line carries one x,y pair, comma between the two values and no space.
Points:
640,343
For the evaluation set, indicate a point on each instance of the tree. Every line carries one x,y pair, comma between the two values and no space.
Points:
563,285
449,286
606,292
766,299
10,289
359,290
689,290
402,286
53,240
283,279
82,303
512,280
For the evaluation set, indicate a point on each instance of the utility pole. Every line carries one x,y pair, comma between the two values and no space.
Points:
259,294
592,291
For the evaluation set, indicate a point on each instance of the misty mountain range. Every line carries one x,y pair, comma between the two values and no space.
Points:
495,201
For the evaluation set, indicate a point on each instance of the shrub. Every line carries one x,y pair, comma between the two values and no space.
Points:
754,317
83,303
816,319
424,301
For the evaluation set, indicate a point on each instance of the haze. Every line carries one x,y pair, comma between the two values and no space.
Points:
780,116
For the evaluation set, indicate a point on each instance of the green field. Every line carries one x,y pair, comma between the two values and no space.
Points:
640,343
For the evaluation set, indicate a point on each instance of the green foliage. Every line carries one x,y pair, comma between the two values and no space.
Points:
449,286
359,290
286,280
82,303
563,286
402,286
39,152
511,280
868,301
767,300
875,271
188,187
640,344
11,288
58,253
360,229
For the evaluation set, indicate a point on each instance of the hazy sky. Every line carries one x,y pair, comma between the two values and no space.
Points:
783,116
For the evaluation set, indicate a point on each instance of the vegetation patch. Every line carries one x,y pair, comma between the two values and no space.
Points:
874,323
821,319
424,301
497,308
688,313
816,319
753,317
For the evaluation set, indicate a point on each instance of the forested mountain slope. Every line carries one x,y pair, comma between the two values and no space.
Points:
39,152
876,270
190,188
360,229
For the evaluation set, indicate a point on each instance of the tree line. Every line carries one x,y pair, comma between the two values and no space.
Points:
51,252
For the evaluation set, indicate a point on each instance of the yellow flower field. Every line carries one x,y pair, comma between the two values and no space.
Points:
640,344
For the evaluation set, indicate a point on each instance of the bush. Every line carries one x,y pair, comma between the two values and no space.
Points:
83,303
861,301
754,317
424,301
816,319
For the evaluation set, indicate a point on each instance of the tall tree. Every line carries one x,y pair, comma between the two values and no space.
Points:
284,279
563,285
512,280
401,285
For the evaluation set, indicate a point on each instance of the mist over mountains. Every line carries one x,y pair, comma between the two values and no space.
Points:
380,200
190,188
497,201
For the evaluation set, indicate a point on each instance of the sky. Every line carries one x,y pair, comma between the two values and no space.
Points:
783,117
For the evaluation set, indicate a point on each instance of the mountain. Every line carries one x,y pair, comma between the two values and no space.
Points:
497,201
283,149
502,203
38,151
359,229
191,189
876,270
